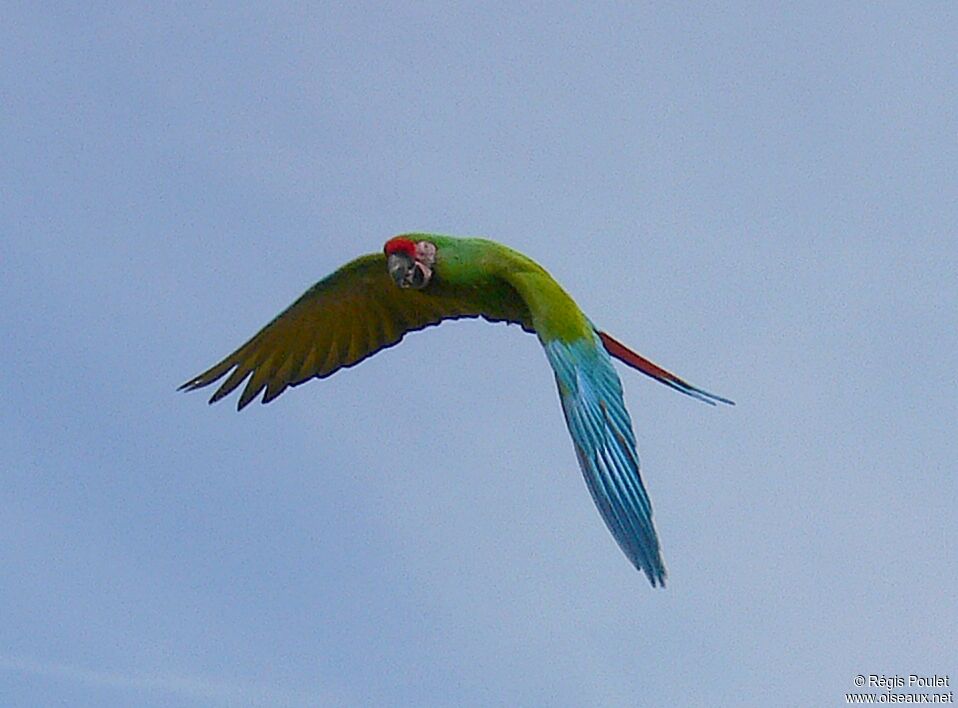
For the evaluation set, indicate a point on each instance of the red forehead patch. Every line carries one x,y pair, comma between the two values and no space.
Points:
400,244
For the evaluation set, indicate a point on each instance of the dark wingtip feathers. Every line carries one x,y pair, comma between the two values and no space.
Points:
232,382
657,578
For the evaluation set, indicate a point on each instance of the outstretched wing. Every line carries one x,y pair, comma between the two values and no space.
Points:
344,318
602,434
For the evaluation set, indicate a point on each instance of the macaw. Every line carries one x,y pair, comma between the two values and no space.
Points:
421,279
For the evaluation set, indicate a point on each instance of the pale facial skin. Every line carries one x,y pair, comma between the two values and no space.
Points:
413,272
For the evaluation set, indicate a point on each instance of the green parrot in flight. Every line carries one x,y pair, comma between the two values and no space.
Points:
420,280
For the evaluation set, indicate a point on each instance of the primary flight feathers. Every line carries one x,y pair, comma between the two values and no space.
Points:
422,279
343,319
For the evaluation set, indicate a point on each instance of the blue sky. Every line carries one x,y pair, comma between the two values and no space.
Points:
761,198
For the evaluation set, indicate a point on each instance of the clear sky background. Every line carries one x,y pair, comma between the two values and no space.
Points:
763,199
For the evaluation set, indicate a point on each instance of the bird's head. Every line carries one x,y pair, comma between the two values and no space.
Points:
410,262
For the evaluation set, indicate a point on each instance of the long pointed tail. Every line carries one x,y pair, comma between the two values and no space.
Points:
640,363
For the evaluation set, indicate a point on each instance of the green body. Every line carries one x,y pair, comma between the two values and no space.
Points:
361,309
492,271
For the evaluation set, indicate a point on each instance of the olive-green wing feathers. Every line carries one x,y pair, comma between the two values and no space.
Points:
345,318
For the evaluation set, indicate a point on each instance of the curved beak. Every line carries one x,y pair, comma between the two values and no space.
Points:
399,265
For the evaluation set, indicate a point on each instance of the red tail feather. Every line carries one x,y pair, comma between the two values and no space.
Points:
640,363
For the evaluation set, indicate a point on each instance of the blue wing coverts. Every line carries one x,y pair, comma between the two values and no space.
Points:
601,431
